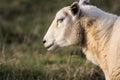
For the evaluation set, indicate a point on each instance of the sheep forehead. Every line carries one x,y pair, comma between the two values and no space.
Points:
62,12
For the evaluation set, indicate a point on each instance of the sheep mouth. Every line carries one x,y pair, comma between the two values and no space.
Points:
50,46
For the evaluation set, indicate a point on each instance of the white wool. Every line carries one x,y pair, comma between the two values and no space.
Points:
103,18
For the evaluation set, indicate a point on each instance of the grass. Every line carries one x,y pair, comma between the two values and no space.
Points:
48,67
23,24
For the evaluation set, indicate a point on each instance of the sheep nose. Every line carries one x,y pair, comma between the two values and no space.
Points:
44,41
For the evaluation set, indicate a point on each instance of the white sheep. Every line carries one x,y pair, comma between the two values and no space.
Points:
96,31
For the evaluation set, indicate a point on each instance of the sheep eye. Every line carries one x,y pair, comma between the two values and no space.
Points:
60,20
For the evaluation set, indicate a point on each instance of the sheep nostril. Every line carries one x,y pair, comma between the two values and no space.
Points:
44,41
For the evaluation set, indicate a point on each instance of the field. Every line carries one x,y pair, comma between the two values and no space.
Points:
23,24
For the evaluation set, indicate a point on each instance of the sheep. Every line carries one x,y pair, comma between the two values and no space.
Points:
94,30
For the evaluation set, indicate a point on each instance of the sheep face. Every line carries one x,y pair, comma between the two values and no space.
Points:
62,31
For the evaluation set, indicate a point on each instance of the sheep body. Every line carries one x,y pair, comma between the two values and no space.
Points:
95,30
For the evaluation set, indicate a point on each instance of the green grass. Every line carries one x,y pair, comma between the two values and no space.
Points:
48,67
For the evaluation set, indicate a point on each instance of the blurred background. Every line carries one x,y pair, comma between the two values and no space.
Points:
23,23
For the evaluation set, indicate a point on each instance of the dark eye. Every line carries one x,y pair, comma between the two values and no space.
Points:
60,20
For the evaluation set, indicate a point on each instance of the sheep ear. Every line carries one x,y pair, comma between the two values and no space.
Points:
74,8
84,2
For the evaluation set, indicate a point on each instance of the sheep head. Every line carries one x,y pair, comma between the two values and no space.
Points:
65,29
